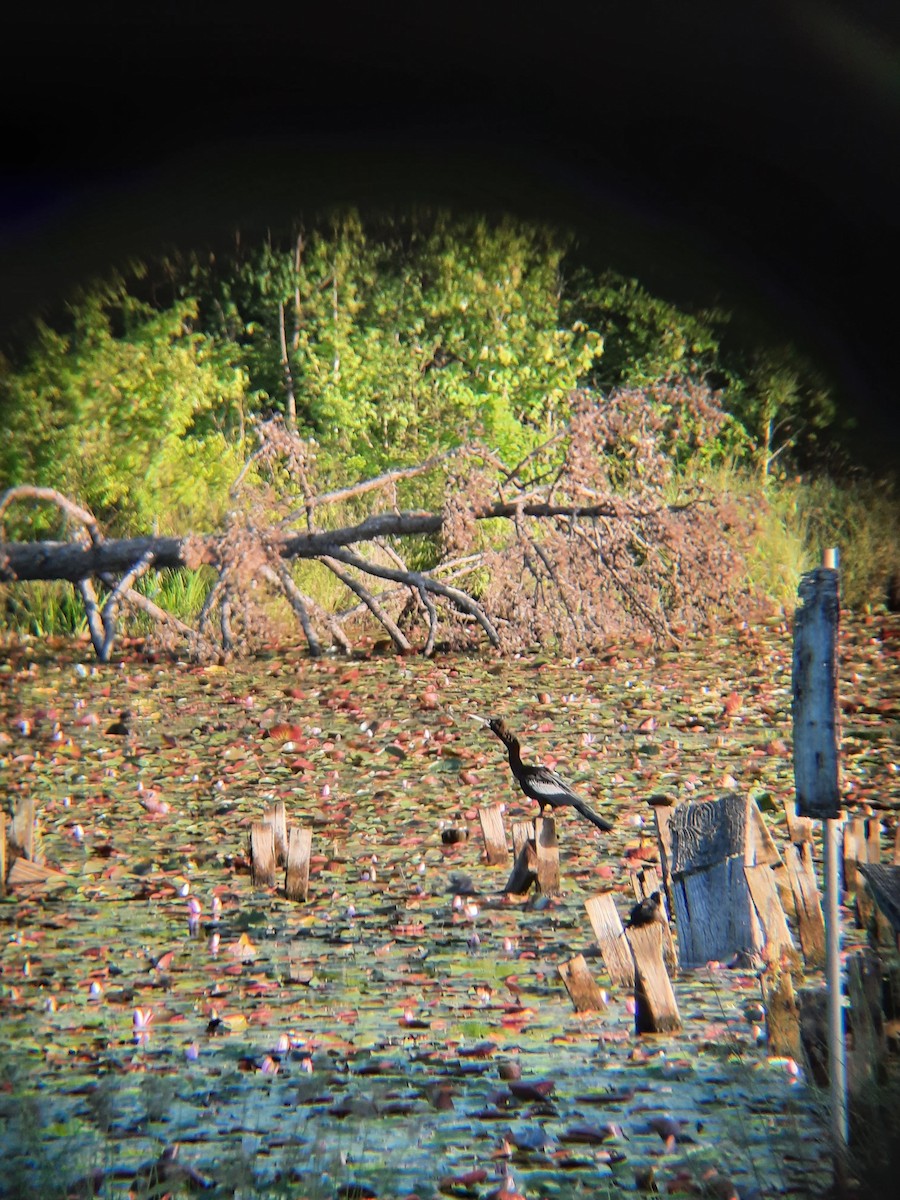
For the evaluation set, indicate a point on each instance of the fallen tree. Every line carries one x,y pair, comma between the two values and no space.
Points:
563,556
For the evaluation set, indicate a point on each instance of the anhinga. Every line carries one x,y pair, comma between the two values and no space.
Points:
540,783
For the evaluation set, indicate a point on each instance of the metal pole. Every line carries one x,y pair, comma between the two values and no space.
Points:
837,1063
837,1059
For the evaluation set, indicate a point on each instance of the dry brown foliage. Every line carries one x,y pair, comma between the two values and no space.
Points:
591,537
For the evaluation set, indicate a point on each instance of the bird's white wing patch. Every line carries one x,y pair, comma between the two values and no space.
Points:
548,785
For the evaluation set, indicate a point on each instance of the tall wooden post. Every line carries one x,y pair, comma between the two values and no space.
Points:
817,783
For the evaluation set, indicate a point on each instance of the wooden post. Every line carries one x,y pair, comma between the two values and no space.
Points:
296,878
21,830
262,854
495,847
662,814
817,784
610,935
524,871
522,833
764,891
761,850
655,1008
714,913
2,853
583,991
783,1017
277,819
547,852
873,839
800,829
646,882
808,906
868,1056
854,851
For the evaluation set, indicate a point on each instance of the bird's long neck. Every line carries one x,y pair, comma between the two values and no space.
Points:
515,756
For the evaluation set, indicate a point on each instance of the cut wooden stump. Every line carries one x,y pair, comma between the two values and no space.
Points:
779,943
662,814
714,913
646,883
868,1049
262,854
25,873
610,935
808,904
21,828
495,847
882,882
854,851
655,1008
762,850
522,833
873,840
783,1017
547,852
296,878
584,992
277,818
800,829
524,872
813,1004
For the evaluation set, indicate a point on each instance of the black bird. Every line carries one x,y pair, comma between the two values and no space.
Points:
540,783
646,911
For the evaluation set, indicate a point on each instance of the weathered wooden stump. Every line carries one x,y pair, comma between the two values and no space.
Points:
277,818
712,841
800,829
813,1004
868,1049
655,1008
855,851
646,883
495,847
807,904
764,852
296,878
782,1017
585,994
524,871
883,884
536,857
262,854
547,851
662,814
779,945
522,833
610,935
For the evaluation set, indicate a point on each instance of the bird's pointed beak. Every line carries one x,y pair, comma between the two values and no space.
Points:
480,720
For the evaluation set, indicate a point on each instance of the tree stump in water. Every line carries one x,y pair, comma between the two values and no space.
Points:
495,847
712,842
610,935
583,991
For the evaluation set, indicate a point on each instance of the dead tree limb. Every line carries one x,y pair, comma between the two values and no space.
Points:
580,559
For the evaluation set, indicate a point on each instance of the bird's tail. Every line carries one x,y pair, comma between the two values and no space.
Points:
586,811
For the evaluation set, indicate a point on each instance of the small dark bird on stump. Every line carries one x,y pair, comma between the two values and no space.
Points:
646,911
540,783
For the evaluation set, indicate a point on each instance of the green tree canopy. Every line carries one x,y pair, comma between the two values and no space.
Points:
129,411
